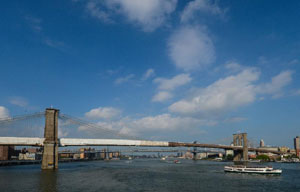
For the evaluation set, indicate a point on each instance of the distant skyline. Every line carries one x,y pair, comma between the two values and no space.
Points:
160,69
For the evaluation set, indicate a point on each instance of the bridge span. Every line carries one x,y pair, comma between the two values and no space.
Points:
66,142
51,142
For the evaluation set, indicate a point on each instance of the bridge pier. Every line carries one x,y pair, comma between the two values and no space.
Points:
194,151
240,140
50,152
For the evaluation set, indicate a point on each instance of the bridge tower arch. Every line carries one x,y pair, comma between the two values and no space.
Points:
240,140
50,152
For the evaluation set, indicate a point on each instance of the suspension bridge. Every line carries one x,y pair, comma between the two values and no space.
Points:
51,141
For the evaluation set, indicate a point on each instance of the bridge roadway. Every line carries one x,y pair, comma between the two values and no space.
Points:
141,151
64,142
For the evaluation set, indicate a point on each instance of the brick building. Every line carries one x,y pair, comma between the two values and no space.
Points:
6,152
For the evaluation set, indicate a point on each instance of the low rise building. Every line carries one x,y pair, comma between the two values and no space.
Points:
229,152
6,152
284,149
188,155
28,156
297,145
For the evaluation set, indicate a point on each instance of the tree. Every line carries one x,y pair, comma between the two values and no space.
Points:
263,157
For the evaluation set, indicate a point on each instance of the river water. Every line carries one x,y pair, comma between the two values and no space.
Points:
145,175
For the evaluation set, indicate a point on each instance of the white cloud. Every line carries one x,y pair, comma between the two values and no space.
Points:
148,124
168,85
191,48
19,101
296,92
166,122
231,93
97,10
149,14
225,94
103,113
277,83
173,83
233,66
162,96
4,113
124,79
149,73
197,6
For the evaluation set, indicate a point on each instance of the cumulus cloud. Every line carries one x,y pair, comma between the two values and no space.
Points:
277,83
4,113
149,73
167,122
190,48
162,96
156,123
125,79
233,66
168,85
225,94
148,14
173,83
103,113
231,93
206,6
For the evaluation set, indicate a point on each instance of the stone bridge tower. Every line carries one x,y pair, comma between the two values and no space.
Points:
50,152
240,140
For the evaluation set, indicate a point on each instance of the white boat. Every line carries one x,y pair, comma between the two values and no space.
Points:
250,169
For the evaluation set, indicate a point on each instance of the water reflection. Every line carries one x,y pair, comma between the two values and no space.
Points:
48,181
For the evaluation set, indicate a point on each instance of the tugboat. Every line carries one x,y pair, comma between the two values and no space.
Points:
252,169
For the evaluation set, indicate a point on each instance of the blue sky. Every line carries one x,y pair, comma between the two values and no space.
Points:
166,70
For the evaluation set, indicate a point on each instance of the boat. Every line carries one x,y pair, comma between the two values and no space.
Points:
252,169
176,161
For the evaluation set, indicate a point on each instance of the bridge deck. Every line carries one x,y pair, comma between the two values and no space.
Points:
35,141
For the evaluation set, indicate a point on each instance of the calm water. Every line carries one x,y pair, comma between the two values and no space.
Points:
144,175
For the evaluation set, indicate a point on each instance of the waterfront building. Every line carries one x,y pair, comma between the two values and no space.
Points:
252,156
103,154
229,152
76,156
284,149
6,152
297,146
27,156
201,155
188,155
261,143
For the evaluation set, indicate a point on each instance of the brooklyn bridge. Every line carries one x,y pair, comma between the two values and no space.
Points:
51,141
